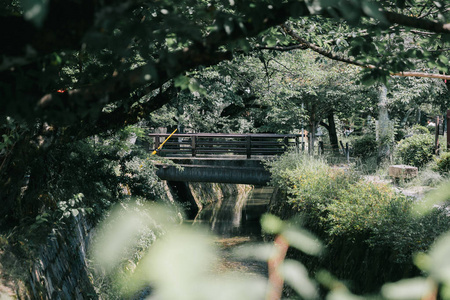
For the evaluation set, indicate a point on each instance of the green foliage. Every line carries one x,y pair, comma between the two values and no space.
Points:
181,260
178,265
407,234
362,207
443,163
84,178
133,52
357,219
309,182
10,132
428,177
419,129
365,146
416,150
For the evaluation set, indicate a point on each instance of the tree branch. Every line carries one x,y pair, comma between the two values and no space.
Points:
119,117
307,45
282,48
418,23
75,103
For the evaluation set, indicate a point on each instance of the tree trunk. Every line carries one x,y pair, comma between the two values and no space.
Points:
384,128
332,132
312,130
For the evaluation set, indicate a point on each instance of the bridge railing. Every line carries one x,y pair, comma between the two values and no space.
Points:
194,144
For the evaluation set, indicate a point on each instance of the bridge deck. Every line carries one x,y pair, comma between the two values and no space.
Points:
247,145
215,157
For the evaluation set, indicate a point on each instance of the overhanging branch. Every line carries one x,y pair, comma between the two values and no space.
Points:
307,45
418,23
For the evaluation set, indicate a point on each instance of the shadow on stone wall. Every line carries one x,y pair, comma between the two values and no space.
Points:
61,271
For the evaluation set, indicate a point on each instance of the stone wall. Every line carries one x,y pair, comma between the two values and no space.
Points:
61,270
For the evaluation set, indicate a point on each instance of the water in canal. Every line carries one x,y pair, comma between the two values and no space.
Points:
235,222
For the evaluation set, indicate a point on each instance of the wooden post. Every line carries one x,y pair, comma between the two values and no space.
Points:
321,148
303,139
297,143
343,148
194,145
347,152
436,137
286,143
448,129
248,146
156,142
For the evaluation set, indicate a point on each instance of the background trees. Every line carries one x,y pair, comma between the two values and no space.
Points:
75,69
75,74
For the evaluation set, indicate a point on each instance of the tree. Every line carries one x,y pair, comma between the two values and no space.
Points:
292,90
73,69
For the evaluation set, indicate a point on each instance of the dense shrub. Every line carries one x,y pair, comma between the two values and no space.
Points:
363,206
416,150
365,146
443,163
369,229
420,129
309,182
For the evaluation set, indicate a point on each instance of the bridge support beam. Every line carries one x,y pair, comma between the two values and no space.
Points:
220,174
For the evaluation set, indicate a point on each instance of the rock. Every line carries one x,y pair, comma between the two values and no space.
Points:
402,172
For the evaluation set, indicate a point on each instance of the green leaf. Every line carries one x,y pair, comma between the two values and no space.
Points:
271,41
436,197
443,59
56,59
182,82
414,288
271,224
228,26
35,11
372,9
302,240
6,139
259,252
194,86
439,259
296,275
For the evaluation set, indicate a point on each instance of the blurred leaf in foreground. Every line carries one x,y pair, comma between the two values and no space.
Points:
179,264
436,197
414,288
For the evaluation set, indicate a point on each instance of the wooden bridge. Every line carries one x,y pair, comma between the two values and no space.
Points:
201,144
226,158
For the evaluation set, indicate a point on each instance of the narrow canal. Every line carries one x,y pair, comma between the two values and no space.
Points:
235,220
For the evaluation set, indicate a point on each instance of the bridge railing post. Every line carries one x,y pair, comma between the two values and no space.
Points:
248,146
286,143
194,145
321,148
156,142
